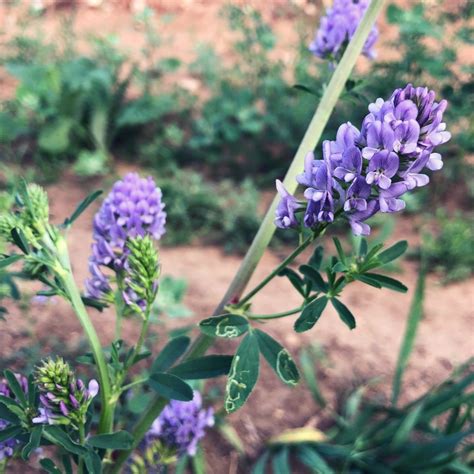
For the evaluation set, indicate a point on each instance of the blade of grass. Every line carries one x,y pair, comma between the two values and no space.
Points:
414,318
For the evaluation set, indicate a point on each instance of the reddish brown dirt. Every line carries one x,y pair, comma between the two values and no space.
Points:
445,337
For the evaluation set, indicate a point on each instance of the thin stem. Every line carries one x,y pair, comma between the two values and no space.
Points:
278,269
141,338
72,291
267,228
133,384
119,309
257,317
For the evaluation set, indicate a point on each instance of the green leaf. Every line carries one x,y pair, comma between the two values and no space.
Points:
91,302
204,367
406,427
340,251
281,461
15,387
54,137
20,240
144,354
310,314
314,276
387,282
295,280
49,466
173,350
33,443
346,316
198,462
368,281
9,433
310,457
7,415
414,318
93,462
58,436
83,205
392,252
308,90
12,406
243,373
363,247
67,464
117,440
170,386
278,357
317,258
308,368
261,464
227,326
5,262
32,390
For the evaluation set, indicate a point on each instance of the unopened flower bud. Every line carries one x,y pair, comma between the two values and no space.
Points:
64,399
142,274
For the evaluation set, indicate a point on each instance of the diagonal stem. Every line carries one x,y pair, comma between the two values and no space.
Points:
267,228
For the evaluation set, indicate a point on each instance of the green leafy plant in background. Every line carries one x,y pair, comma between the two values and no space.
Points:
448,247
74,107
214,213
428,434
251,121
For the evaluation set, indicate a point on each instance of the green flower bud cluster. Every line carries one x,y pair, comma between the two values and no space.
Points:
31,218
142,273
63,398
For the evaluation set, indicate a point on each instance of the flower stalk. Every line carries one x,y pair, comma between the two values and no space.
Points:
106,418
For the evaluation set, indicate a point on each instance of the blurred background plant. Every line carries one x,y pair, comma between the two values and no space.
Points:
365,432
217,116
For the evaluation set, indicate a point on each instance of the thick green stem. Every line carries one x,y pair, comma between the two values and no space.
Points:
267,228
72,291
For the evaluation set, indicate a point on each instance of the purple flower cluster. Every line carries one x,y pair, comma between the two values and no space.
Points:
181,425
63,398
56,409
337,28
367,171
8,446
133,208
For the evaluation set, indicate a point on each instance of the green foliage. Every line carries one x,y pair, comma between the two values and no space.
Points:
170,299
224,212
413,322
253,120
317,291
448,249
428,434
73,106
